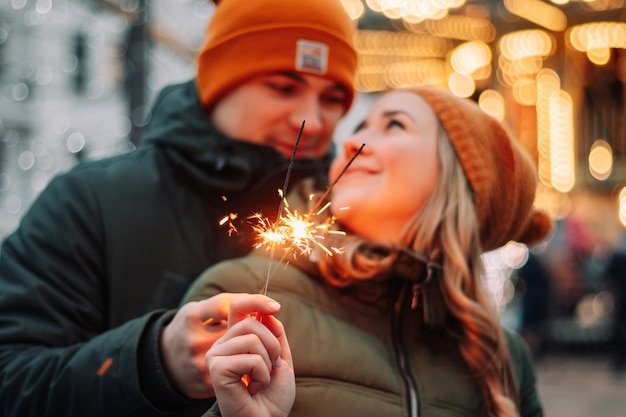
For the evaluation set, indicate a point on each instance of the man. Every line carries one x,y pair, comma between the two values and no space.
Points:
90,279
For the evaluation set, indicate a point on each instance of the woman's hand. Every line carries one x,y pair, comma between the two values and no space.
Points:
250,365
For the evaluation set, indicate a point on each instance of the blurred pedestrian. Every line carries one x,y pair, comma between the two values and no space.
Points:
535,281
616,275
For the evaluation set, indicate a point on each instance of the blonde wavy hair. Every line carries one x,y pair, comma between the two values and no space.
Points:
446,232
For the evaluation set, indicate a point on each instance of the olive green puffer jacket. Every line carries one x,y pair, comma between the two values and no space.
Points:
362,351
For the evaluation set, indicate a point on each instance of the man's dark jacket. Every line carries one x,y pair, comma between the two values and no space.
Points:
104,255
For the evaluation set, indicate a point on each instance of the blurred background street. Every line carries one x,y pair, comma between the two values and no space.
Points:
581,385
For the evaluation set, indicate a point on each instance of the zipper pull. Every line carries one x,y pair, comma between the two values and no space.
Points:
426,297
416,289
426,307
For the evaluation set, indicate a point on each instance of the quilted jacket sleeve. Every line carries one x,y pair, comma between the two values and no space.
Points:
58,356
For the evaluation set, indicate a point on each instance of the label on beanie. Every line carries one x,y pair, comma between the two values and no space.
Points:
311,57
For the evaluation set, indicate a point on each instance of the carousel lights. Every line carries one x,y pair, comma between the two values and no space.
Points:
538,12
461,85
526,43
414,11
622,206
562,156
600,160
492,103
521,58
385,43
601,5
548,81
459,27
597,38
470,57
354,8
399,59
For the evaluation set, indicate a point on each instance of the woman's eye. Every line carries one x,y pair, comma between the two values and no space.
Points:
359,127
395,124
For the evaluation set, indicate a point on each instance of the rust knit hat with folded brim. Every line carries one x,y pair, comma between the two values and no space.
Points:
246,38
501,174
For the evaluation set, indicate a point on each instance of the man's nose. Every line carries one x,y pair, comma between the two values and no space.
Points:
309,111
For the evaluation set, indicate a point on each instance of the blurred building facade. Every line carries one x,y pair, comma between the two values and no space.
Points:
76,81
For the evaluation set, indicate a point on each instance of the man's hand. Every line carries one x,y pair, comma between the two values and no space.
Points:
195,328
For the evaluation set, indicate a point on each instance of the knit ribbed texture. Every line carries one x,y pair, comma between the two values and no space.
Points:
247,38
501,174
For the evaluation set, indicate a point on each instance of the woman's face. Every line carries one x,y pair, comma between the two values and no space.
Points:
395,173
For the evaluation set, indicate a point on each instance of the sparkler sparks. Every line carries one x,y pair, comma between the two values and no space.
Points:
296,233
229,220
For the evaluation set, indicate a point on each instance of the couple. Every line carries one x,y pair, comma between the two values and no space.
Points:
398,321
91,281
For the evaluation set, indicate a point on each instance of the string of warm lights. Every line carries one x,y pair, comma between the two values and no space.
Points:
456,45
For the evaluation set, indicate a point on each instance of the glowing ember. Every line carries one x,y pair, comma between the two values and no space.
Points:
296,233
229,220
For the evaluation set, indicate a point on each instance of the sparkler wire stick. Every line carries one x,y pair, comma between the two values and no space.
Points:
330,187
293,220
281,204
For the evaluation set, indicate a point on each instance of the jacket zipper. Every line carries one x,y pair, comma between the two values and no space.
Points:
402,356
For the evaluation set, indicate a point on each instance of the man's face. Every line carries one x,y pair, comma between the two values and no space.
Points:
270,109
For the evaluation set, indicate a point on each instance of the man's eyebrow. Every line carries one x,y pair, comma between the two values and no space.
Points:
295,76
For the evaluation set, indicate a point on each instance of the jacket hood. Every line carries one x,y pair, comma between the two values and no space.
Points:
211,158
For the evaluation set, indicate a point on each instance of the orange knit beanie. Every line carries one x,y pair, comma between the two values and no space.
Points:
246,38
501,174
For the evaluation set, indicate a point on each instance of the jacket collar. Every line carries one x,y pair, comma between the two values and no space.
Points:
212,160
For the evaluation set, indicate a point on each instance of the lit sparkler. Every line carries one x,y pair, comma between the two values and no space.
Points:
281,206
296,233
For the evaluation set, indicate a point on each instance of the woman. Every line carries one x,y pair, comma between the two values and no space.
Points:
398,323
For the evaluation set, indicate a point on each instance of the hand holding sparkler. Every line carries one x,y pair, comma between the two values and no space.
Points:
196,327
251,365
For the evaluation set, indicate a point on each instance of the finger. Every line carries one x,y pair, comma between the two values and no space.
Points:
271,332
230,370
251,336
246,354
259,331
243,306
278,330
213,311
244,343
